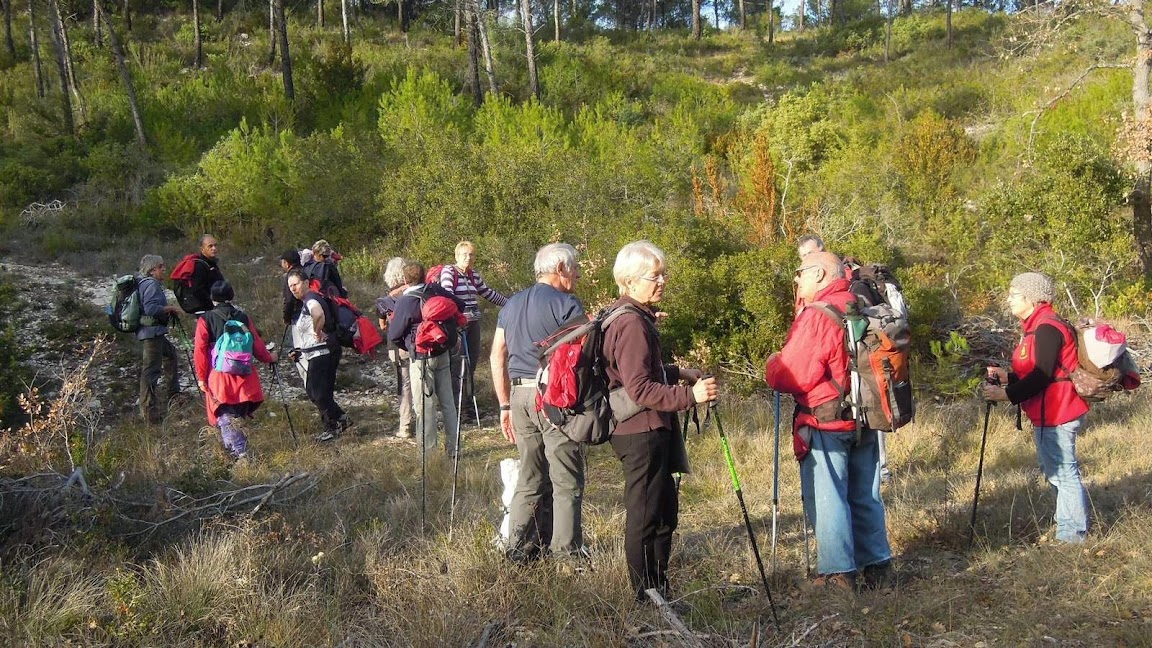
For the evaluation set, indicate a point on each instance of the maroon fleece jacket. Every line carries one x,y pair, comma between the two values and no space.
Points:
632,349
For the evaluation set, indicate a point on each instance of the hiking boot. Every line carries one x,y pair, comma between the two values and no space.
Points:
879,576
327,435
843,581
403,434
343,424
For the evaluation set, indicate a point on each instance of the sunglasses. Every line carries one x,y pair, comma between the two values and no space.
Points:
802,269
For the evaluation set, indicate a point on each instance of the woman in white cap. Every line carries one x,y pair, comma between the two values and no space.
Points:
1039,383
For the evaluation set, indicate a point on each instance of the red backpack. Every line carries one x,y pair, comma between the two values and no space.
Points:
182,283
440,317
572,382
351,327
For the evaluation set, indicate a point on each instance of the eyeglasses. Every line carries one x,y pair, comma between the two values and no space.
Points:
660,278
802,269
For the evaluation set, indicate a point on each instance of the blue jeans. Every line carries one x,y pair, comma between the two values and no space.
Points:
840,484
1056,450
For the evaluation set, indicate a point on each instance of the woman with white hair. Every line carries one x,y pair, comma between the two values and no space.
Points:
1039,383
646,443
394,280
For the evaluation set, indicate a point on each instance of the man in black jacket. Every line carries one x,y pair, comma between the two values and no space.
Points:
290,261
205,272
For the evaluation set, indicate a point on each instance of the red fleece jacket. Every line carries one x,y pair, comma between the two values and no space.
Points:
814,355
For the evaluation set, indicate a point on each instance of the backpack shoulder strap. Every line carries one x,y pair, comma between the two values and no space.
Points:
215,319
614,314
831,311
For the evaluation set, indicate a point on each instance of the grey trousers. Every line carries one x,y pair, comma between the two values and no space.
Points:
432,380
545,509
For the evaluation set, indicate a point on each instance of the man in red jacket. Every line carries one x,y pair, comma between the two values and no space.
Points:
839,475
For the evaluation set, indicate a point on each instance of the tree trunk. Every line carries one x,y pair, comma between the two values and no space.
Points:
473,52
61,67
403,15
743,14
556,18
888,34
273,35
285,56
127,11
219,10
696,27
320,13
198,62
125,77
715,11
34,43
344,22
771,22
1141,196
97,29
457,32
905,7
802,10
526,17
486,48
948,25
69,61
9,44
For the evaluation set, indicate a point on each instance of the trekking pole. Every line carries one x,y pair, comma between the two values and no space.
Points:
188,354
471,382
456,455
992,380
284,401
743,509
423,446
775,481
807,550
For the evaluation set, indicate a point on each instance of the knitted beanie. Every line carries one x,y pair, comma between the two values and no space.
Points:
1035,287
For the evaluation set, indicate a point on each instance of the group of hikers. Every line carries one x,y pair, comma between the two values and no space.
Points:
841,462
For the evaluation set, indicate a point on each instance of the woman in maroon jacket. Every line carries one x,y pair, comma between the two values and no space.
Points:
1039,384
644,443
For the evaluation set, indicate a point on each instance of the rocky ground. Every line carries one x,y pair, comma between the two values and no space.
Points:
65,310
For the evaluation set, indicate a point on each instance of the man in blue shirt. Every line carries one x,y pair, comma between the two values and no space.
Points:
159,355
545,511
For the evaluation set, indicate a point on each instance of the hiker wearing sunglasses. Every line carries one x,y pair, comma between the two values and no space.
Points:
648,444
839,474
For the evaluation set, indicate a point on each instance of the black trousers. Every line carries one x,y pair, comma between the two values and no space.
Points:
321,386
651,505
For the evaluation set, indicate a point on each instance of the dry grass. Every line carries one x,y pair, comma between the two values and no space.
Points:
347,563
349,566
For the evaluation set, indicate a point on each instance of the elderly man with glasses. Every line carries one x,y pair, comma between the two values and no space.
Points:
839,474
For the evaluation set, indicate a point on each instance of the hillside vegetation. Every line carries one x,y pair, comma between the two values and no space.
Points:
959,158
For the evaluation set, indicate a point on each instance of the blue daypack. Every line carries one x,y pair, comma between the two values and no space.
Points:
233,351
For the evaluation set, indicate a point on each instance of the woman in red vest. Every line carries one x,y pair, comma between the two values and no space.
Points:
1040,385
